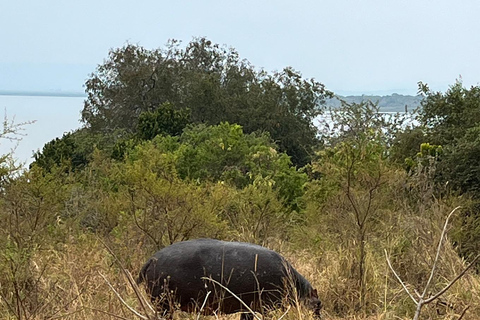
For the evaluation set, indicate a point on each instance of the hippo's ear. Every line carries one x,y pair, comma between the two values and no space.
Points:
314,293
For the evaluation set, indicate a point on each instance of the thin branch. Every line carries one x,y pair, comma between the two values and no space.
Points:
453,281
399,279
285,313
135,312
439,247
234,295
463,313
203,305
109,313
130,279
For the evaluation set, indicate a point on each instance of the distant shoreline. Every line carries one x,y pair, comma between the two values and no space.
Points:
42,94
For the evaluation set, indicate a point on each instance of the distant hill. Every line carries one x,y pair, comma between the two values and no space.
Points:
391,103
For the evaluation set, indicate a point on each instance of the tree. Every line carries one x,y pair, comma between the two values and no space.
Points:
447,116
165,121
225,153
353,170
214,84
73,150
451,120
10,131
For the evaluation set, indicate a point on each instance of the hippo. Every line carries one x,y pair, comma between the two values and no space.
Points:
203,274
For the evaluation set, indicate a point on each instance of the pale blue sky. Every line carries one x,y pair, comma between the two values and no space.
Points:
352,46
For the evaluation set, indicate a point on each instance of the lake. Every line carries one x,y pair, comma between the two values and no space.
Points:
53,117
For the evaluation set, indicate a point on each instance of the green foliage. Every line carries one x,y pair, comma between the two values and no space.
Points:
72,151
425,160
225,153
406,144
165,120
460,164
448,116
214,84
165,208
451,120
30,221
257,214
353,171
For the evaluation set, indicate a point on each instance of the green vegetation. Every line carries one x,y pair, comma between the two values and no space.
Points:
214,84
192,142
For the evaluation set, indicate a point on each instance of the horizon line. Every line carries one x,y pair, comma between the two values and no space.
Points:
45,93
77,94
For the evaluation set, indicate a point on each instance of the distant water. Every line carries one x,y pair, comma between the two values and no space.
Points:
53,117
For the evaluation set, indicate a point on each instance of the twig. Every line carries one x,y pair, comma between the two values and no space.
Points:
453,281
421,297
109,313
399,279
439,247
203,305
463,313
135,312
234,295
285,313
145,305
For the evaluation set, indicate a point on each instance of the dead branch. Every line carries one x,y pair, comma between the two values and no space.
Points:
422,300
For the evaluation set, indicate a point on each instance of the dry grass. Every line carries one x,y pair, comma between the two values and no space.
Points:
70,285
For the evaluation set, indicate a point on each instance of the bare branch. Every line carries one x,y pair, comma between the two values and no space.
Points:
399,279
422,301
135,312
453,281
145,305
439,247
463,312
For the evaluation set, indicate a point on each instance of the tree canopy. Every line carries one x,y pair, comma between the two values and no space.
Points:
451,119
214,83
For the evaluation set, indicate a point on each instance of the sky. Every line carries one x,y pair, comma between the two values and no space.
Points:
351,46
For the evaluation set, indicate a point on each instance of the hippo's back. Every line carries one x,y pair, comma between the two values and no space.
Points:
245,269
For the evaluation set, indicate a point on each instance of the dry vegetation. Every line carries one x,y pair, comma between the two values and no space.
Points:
67,236
64,280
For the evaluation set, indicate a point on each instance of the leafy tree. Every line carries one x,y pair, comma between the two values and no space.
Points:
226,153
447,116
353,170
406,145
72,151
163,207
214,83
165,120
10,131
451,120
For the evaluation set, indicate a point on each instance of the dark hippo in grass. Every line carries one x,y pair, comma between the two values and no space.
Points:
180,275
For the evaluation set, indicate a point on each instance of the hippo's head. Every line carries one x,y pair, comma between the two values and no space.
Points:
313,303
